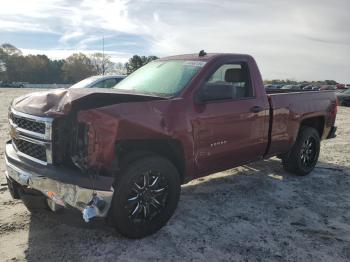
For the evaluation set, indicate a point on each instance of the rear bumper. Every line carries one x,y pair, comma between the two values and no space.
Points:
62,186
332,133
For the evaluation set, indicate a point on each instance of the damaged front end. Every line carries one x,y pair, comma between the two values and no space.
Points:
63,146
76,145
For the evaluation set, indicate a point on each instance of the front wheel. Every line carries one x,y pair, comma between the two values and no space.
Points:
146,196
303,156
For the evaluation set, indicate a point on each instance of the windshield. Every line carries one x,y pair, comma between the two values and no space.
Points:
165,78
85,82
347,91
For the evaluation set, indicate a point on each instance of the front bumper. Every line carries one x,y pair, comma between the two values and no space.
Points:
62,186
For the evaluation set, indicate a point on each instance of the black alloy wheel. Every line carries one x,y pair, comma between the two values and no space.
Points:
308,152
148,197
303,156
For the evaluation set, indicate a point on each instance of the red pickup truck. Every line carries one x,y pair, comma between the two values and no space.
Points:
124,153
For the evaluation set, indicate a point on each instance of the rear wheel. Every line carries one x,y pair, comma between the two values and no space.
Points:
303,156
146,196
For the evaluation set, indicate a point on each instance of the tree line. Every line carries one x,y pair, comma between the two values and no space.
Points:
39,69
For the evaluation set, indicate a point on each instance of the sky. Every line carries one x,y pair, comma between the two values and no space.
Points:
299,39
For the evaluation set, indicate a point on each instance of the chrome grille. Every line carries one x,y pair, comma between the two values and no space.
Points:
28,124
31,136
33,150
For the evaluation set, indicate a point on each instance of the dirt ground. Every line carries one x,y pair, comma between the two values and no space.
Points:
256,212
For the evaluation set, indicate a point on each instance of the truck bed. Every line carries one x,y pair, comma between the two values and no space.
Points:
289,109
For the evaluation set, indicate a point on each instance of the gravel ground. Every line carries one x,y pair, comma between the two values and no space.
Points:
256,212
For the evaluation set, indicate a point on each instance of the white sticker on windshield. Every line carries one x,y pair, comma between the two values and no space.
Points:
195,63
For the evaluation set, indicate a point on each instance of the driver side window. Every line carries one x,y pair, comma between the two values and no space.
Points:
234,76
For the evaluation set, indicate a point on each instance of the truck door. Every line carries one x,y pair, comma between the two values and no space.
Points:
231,130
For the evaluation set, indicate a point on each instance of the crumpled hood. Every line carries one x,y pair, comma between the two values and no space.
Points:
59,102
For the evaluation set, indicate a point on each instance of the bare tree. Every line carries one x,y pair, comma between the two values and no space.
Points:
119,68
101,63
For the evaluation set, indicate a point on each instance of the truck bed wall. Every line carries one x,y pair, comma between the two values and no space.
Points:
290,109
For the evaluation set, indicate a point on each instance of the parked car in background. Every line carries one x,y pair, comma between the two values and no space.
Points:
13,84
303,85
272,87
292,87
340,86
344,97
327,87
309,87
102,81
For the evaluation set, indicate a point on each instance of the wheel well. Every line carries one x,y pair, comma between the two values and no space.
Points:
315,122
129,150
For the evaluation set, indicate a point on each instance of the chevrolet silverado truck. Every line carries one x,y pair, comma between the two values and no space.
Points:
124,153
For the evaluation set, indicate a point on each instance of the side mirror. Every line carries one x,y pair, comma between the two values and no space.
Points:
212,92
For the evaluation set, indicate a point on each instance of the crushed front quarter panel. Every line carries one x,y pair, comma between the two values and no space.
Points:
122,121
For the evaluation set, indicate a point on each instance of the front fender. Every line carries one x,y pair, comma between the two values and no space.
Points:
107,125
101,136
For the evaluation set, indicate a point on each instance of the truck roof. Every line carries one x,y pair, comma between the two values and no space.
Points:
206,57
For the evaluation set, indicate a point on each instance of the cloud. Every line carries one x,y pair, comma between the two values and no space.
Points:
15,26
301,39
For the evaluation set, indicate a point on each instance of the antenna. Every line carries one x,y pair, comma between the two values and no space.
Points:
103,55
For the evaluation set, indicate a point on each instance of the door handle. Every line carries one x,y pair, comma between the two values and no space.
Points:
256,109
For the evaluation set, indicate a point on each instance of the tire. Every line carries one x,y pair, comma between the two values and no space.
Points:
303,156
146,195
13,188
